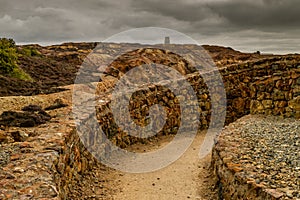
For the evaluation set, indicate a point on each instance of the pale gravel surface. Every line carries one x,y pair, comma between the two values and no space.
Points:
269,151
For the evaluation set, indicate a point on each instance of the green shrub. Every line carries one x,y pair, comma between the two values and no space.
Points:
8,60
8,55
29,51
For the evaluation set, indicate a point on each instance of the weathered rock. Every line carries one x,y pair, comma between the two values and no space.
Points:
32,108
24,119
19,136
58,103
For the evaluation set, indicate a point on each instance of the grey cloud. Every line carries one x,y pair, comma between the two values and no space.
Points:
267,24
178,9
42,21
267,15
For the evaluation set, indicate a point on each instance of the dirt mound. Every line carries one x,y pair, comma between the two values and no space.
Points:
47,75
142,56
47,71
15,87
23,119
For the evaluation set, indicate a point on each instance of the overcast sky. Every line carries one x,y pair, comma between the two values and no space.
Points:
247,25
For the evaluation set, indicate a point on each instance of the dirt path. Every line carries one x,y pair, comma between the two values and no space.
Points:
187,178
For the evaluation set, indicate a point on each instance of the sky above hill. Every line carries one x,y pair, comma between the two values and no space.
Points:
247,25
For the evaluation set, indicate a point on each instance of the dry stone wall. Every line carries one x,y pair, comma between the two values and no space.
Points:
268,86
274,92
278,94
244,84
73,162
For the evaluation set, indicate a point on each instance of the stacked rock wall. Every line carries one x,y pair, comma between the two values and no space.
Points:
278,94
274,90
269,86
74,161
256,158
243,85
247,85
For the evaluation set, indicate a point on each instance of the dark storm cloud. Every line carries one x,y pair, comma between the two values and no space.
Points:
178,9
238,14
245,24
52,21
267,14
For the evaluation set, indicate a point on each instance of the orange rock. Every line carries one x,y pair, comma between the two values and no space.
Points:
234,167
15,157
25,145
274,193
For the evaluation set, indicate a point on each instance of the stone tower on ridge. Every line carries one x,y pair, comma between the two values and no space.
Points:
167,40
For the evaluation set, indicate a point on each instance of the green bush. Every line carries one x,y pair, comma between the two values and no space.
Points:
8,60
8,55
29,51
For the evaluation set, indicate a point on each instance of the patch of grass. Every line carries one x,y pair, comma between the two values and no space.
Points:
20,74
29,51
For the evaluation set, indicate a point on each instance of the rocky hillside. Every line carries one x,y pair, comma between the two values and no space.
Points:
57,65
